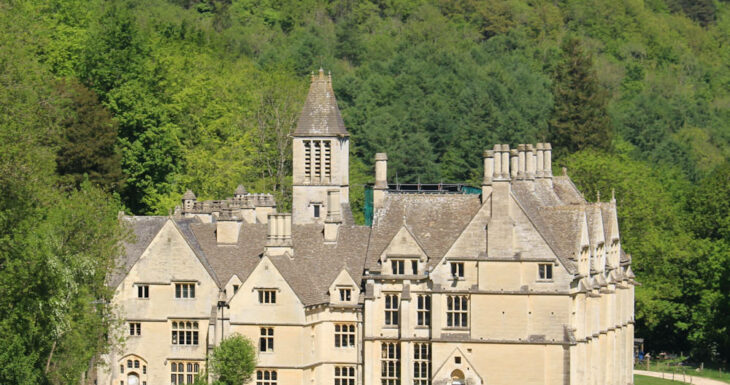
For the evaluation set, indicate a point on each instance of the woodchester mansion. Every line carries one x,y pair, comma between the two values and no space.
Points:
523,283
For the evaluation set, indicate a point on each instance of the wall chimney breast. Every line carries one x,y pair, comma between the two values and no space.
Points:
334,217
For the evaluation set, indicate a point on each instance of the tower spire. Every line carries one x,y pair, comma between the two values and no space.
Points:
320,115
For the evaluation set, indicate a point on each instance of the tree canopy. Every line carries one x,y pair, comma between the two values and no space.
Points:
233,361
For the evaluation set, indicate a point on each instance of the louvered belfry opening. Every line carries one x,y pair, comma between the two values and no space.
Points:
317,161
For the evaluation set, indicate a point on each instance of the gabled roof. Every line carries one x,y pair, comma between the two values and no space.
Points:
144,230
320,115
435,221
309,273
189,195
557,222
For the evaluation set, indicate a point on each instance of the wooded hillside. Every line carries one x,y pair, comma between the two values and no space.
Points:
141,100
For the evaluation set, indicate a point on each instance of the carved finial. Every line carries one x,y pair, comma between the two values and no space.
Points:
613,195
321,73
598,196
565,171
312,76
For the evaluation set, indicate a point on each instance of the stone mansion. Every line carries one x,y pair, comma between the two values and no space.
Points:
525,283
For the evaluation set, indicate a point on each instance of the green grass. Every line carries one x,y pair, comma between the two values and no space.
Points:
706,373
643,380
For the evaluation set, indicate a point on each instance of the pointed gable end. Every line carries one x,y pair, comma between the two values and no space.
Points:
344,282
404,244
285,305
171,257
457,367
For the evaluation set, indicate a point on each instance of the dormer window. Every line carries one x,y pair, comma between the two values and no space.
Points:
457,270
345,294
398,266
414,266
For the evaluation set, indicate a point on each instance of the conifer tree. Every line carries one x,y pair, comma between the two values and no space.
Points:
579,118
87,143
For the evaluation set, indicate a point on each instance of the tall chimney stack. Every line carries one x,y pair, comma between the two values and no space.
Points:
514,160
488,157
505,161
521,160
497,162
278,237
334,217
500,226
548,166
540,161
228,226
530,166
381,179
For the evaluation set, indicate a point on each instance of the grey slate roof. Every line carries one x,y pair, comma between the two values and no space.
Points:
435,220
557,222
310,272
320,115
315,265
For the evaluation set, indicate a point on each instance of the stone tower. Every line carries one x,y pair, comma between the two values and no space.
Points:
320,154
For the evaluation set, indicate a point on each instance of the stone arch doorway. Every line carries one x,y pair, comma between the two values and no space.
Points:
457,378
133,379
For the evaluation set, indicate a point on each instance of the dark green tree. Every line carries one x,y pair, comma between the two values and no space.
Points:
701,11
87,139
233,361
579,118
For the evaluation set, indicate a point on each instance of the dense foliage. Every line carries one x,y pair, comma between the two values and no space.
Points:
56,234
202,94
